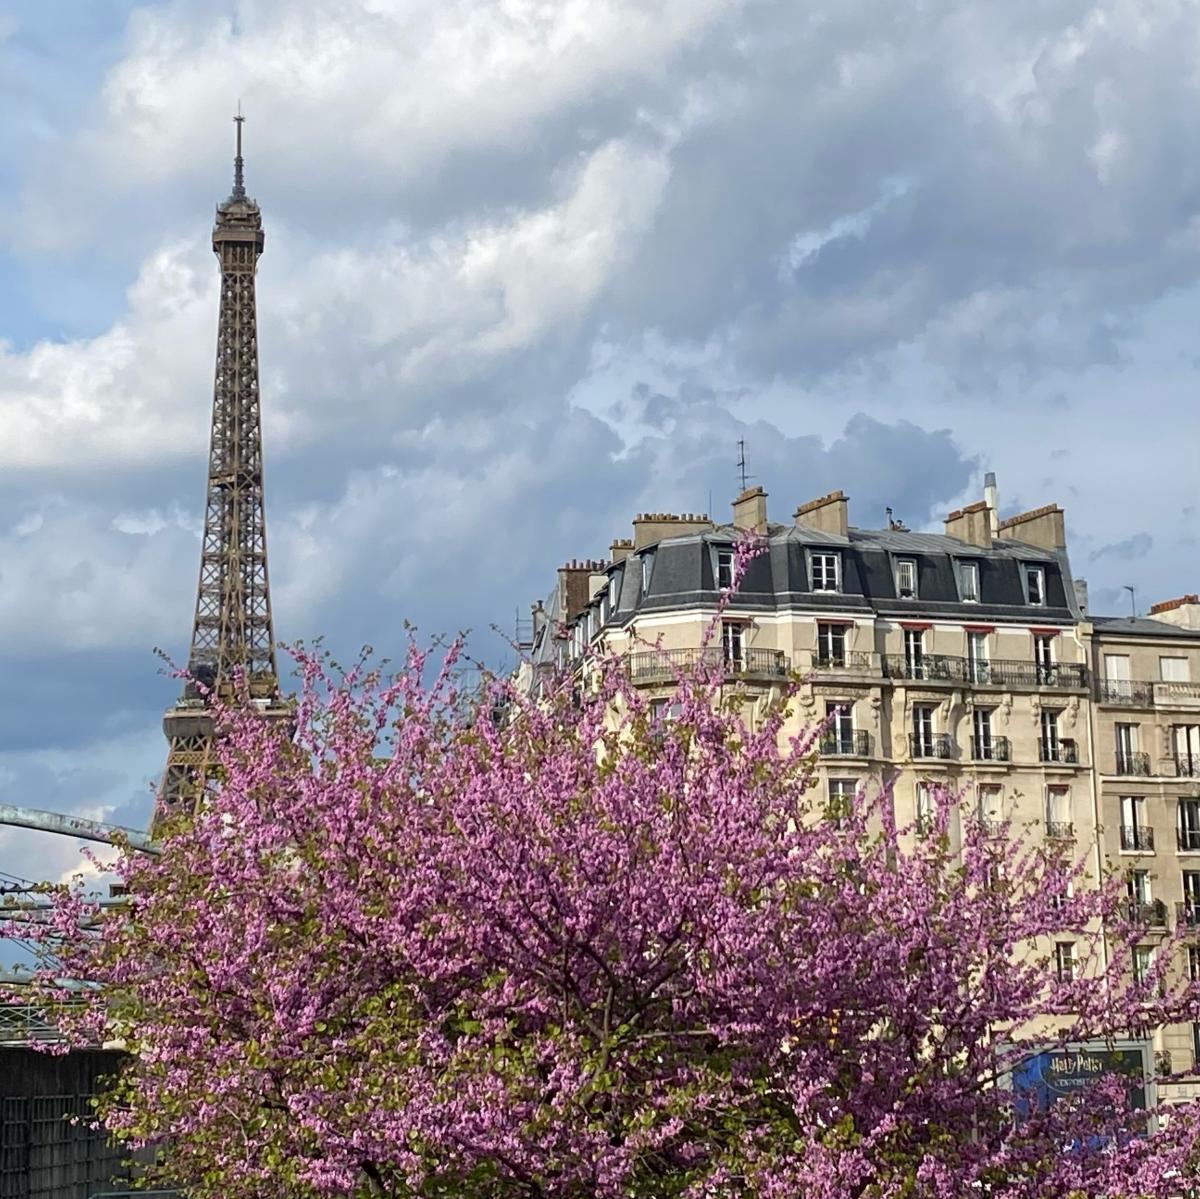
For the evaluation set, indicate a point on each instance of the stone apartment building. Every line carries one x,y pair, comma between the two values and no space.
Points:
966,657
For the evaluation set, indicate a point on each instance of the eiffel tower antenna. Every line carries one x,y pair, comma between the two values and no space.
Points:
232,633
742,476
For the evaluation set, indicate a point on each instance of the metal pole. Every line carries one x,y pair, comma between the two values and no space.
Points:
76,826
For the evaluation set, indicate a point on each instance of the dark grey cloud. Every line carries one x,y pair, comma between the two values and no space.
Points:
1128,550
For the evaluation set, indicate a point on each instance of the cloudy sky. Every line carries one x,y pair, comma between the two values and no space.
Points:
533,266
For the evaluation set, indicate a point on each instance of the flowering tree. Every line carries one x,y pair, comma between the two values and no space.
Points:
584,952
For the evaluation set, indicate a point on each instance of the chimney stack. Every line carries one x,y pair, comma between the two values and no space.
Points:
620,549
750,510
992,499
827,514
574,586
1044,527
1183,612
1081,594
972,524
539,619
650,527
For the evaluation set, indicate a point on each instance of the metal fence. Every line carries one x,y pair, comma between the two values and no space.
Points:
47,1150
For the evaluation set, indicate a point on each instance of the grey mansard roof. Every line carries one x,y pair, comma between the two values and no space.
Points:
1141,626
683,575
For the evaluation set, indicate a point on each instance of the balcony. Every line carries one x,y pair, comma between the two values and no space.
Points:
854,743
1007,674
1148,693
1065,752
1060,830
1131,763
1149,912
851,661
1181,766
664,666
991,749
1188,840
1137,838
932,745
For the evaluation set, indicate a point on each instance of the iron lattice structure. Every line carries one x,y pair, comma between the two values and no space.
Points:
232,634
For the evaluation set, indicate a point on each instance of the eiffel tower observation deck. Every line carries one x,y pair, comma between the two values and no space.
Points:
232,634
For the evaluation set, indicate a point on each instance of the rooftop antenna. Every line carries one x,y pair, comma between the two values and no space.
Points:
742,464
239,183
888,511
1132,600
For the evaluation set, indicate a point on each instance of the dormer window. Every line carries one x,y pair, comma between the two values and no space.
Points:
724,569
906,578
968,582
647,570
1035,585
826,572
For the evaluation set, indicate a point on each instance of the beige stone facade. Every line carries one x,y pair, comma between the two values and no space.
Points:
966,658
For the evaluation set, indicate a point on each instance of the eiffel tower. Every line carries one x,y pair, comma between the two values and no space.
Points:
232,632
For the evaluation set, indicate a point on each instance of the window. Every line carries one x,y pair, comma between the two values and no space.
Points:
1185,750
982,733
593,624
906,578
977,657
1191,897
968,582
1173,670
925,811
1196,1045
841,797
1058,812
914,653
1128,758
604,609
1117,683
1064,960
1051,746
665,709
733,643
1143,956
840,737
825,572
724,569
1135,835
1035,585
831,644
647,571
1138,886
1043,656
923,739
1189,825
990,806
1193,963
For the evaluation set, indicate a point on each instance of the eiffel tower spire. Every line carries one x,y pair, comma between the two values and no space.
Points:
232,631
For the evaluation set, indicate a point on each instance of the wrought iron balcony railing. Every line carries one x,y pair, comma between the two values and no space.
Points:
933,745
990,749
857,661
855,743
1148,693
652,666
1182,766
1060,830
999,672
1137,838
1150,912
1124,691
1066,752
1132,763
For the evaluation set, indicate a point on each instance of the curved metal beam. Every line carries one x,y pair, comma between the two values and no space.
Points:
76,826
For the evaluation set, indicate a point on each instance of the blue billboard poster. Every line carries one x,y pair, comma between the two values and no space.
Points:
1042,1079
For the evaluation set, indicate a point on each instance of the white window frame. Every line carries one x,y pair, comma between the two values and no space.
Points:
1064,960
733,642
1059,805
647,571
1169,673
978,658
1028,573
827,633
909,566
1188,825
826,555
968,570
925,730
724,569
1143,962
990,801
914,652
841,727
